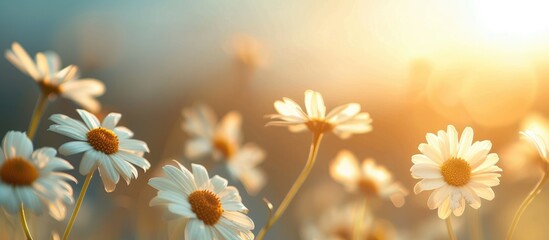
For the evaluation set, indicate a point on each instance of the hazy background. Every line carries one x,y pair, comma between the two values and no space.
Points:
415,67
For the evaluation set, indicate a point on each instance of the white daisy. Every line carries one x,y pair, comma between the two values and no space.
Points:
372,180
54,81
213,209
106,146
32,178
223,141
459,171
344,120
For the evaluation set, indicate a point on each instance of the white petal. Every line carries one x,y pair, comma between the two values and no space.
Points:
25,61
108,173
196,229
218,184
91,121
343,113
428,184
74,147
123,132
465,142
198,147
314,104
444,210
69,132
200,176
133,145
238,220
17,144
111,120
89,162
65,120
425,171
134,159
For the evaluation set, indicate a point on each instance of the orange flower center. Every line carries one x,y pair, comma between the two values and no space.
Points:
368,187
224,146
456,171
319,125
206,205
103,140
48,88
18,172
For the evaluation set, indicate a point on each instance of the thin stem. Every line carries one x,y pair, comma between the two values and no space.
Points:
451,233
474,224
359,220
317,137
78,204
24,223
526,202
37,115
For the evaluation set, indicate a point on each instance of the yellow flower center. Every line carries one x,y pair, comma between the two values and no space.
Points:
224,146
103,140
206,205
319,125
456,171
368,187
48,88
18,172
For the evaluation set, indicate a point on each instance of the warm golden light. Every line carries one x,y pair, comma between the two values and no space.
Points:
513,18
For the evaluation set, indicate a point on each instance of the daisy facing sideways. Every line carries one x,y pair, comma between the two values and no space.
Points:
223,140
344,120
32,178
54,81
459,171
106,147
369,178
212,209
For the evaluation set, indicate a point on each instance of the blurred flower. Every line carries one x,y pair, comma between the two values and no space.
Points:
520,158
32,178
337,223
344,120
537,140
212,209
371,180
459,172
223,141
54,81
249,51
106,146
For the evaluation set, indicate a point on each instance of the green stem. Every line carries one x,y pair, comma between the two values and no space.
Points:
358,229
24,223
451,233
317,137
37,115
537,189
78,204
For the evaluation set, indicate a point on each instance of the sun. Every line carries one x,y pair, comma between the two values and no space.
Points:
517,19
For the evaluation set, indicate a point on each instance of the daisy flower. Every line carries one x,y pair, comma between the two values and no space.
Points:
32,178
338,223
212,209
344,120
223,141
459,171
107,147
369,179
53,80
